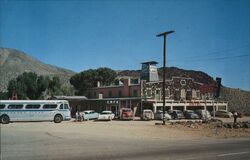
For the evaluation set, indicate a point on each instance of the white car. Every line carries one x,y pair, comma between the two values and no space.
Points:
159,115
106,115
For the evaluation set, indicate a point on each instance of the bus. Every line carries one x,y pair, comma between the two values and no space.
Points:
34,110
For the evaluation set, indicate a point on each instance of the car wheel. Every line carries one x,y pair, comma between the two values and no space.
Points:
58,118
5,119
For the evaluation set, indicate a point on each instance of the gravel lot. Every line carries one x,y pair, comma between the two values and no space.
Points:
93,139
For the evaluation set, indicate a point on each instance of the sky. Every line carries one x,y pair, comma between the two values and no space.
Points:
210,35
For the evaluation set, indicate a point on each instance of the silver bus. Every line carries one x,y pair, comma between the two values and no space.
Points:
34,110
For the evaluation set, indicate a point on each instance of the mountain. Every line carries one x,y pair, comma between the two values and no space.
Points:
14,63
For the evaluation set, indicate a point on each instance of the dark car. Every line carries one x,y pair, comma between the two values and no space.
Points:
190,114
176,114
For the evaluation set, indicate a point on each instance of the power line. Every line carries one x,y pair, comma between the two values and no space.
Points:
209,59
213,53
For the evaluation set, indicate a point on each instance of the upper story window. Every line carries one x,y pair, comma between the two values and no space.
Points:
135,93
149,93
110,94
120,93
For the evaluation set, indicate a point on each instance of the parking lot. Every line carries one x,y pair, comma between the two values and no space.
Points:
99,140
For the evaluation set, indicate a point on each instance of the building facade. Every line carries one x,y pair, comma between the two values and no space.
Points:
145,92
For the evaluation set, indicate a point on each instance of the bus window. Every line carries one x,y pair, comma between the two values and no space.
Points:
49,106
33,106
61,106
2,106
13,106
66,106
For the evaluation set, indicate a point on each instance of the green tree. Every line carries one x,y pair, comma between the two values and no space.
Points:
31,86
4,95
89,78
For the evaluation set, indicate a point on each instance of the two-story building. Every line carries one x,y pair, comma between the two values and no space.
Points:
145,92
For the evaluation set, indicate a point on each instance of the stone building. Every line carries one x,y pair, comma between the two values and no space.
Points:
145,92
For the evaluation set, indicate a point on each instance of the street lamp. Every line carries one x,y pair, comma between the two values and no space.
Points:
164,34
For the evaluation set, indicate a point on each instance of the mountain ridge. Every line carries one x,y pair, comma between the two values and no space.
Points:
14,63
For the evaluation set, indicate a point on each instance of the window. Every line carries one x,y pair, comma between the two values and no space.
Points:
110,93
135,93
2,106
49,106
120,93
167,92
61,106
66,106
12,106
149,94
32,106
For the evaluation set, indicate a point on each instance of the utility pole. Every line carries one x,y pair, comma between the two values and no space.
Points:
164,34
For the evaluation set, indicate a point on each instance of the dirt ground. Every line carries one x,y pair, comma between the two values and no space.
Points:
174,129
202,130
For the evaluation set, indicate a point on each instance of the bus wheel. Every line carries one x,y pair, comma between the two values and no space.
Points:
5,119
58,118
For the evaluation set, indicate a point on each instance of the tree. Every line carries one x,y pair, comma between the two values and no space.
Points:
54,85
89,78
31,86
3,95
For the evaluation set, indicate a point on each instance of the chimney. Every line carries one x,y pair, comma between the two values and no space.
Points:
98,84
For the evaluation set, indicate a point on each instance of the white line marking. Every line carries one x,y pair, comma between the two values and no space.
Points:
230,154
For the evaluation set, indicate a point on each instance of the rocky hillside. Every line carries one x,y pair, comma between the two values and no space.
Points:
237,99
14,63
198,76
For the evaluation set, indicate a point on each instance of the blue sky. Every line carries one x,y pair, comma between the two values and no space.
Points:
211,35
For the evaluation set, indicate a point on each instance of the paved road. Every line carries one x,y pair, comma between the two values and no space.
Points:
107,141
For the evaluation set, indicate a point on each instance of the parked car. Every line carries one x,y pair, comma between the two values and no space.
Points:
90,114
222,113
204,114
147,114
176,114
127,113
106,115
159,115
190,114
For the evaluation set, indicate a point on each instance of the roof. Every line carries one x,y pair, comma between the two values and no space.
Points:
71,97
150,62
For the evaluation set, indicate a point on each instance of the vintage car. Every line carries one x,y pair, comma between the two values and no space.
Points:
159,115
89,114
126,114
190,114
147,114
106,115
176,114
204,114
223,113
